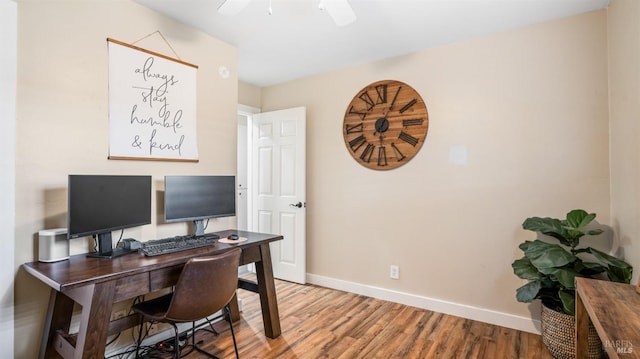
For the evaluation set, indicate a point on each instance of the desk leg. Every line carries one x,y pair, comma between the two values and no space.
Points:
96,301
582,329
59,315
95,320
267,292
234,309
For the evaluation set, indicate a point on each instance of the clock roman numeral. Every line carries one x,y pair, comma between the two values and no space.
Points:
357,142
366,154
382,156
399,154
412,122
367,99
381,91
394,98
413,141
408,105
352,111
354,128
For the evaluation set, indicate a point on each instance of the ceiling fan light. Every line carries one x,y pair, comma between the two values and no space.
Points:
232,7
340,11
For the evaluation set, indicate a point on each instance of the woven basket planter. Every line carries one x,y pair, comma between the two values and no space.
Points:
559,335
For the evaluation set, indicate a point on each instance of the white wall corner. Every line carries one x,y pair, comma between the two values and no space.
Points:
8,80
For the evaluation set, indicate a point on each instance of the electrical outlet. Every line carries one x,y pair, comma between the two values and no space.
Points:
394,272
119,314
153,329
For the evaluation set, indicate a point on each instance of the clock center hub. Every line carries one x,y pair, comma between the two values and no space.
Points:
382,125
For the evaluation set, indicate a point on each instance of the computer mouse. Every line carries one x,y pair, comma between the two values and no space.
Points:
233,237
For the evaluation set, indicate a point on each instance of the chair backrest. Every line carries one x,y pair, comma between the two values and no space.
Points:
205,286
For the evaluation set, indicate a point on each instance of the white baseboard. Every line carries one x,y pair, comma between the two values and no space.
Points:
525,324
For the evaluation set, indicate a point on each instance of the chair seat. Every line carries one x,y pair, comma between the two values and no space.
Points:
154,309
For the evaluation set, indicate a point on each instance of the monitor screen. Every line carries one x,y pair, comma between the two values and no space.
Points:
99,204
195,198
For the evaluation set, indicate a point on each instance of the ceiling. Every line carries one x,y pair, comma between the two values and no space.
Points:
298,39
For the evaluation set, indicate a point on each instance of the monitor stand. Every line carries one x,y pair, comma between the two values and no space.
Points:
105,248
198,226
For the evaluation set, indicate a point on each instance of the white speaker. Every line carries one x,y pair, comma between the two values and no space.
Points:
53,245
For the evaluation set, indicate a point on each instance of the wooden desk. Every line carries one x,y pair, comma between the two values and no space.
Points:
97,283
614,310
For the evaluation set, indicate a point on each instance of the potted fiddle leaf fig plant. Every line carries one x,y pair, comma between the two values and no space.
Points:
551,268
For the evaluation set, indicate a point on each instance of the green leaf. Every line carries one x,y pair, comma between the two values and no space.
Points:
524,245
547,255
548,226
573,235
575,223
566,277
579,218
524,269
618,275
550,298
568,298
594,232
617,270
588,269
608,259
528,292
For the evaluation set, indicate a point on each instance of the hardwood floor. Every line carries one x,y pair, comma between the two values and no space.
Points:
324,323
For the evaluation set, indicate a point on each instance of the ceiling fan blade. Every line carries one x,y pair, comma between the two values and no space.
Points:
340,11
232,7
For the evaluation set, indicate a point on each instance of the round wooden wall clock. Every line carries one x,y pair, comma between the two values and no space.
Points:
385,125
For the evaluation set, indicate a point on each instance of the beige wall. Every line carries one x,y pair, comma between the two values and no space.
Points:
530,108
62,126
624,98
249,95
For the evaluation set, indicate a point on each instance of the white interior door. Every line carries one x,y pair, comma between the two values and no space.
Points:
278,187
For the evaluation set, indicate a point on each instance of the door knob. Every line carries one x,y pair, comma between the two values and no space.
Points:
299,205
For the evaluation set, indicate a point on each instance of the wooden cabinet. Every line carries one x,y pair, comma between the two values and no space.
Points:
614,310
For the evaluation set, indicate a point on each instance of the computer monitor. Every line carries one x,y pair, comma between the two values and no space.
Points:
99,204
196,198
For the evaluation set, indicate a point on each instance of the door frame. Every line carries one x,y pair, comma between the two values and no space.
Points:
247,112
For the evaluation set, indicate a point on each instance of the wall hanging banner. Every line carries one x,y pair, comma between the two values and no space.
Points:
152,105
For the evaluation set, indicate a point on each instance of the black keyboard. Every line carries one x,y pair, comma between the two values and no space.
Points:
175,244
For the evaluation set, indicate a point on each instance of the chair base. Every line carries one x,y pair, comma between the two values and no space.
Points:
233,336
178,351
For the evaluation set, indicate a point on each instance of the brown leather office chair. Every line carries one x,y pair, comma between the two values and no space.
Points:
205,286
